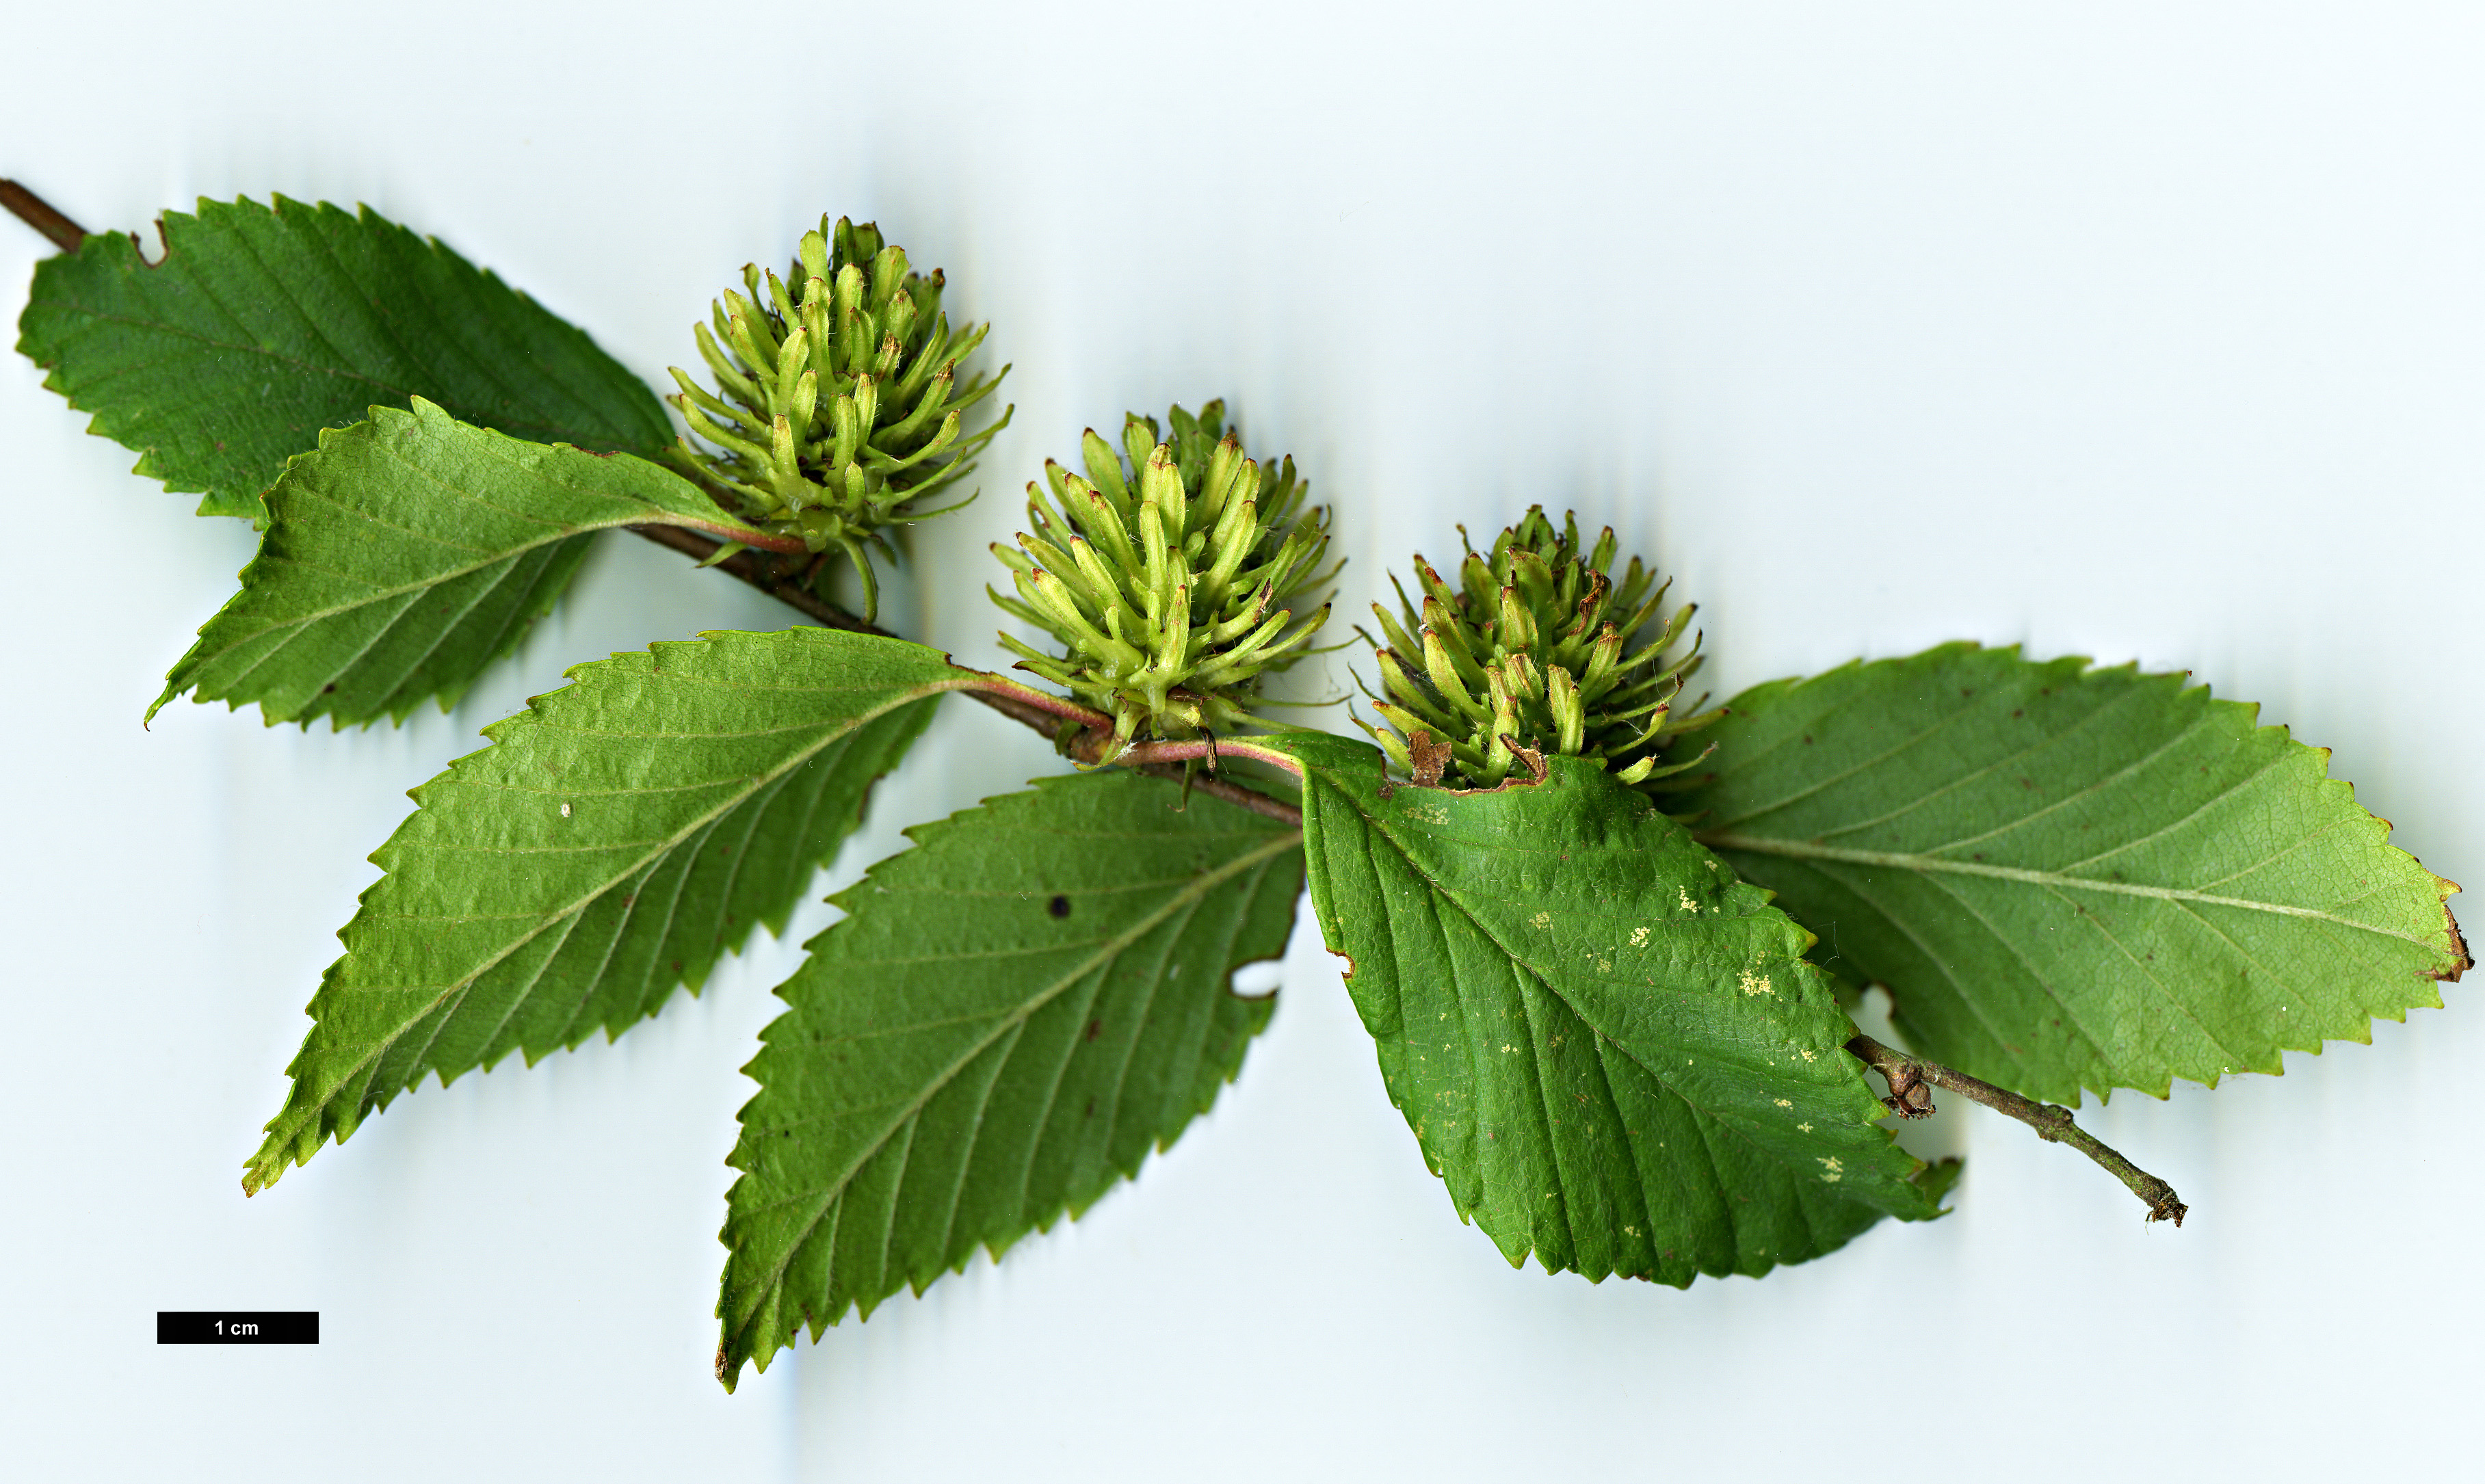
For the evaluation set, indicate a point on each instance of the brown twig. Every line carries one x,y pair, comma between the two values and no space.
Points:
1051,716
772,574
39,214
1210,751
1232,792
1908,1076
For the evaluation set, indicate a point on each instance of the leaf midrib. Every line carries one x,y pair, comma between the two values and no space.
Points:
1808,850
1443,892
656,515
549,534
1725,1122
586,899
1188,895
397,395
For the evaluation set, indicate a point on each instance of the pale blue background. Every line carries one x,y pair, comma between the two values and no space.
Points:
2148,332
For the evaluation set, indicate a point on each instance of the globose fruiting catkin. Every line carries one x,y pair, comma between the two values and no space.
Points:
1172,574
842,404
1532,655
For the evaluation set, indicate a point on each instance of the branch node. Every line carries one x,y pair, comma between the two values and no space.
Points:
1911,1097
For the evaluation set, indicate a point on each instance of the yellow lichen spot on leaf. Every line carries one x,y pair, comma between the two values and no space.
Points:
1808,1055
1756,984
1541,920
1639,937
1688,906
1834,1170
1803,1128
1782,1103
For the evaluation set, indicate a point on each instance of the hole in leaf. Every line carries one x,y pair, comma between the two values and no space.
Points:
1259,977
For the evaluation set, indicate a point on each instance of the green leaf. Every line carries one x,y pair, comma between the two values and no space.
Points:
404,556
1610,1049
617,838
1012,1016
2071,877
263,326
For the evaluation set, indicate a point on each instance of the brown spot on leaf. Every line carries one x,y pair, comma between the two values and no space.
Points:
1431,756
1534,759
2459,948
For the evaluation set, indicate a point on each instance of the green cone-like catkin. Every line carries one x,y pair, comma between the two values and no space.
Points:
842,404
1530,655
1172,579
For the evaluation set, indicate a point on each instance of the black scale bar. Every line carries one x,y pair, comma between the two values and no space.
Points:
237,1327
